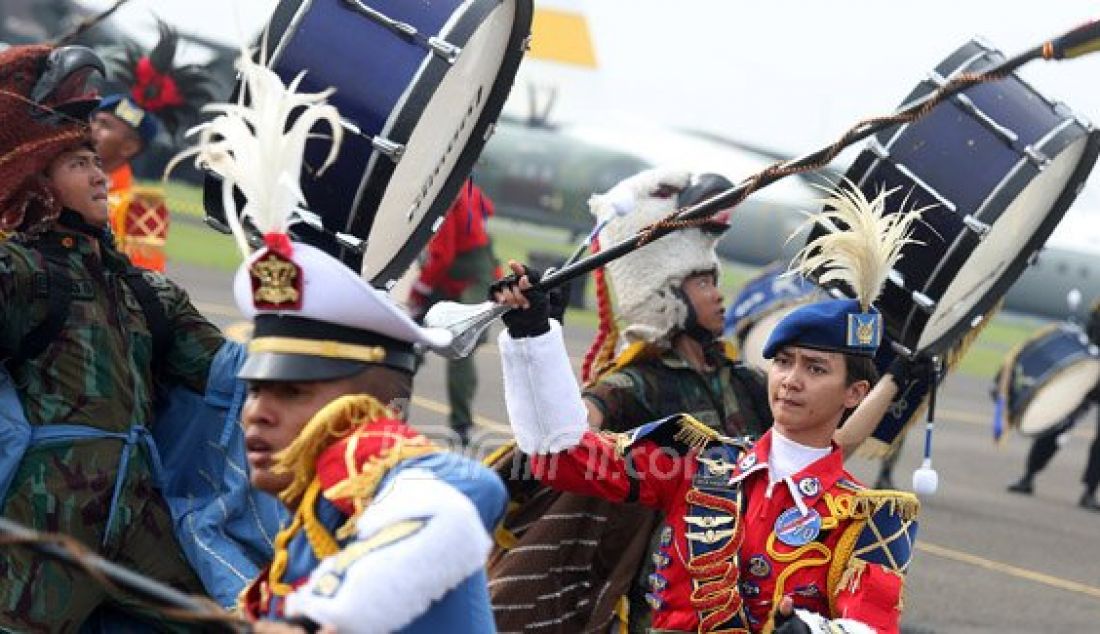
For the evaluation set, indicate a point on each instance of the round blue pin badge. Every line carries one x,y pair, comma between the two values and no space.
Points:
795,529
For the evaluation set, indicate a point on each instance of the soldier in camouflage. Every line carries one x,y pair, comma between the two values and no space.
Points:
77,336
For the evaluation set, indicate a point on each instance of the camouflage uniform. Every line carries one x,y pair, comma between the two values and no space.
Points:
99,373
731,399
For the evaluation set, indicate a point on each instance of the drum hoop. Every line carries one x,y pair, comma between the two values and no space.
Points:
291,27
494,101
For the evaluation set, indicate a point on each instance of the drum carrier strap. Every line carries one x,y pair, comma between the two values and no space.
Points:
57,286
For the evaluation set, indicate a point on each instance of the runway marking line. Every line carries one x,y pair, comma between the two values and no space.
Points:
1008,569
932,549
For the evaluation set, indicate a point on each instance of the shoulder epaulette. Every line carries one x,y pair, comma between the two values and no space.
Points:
682,432
871,503
883,533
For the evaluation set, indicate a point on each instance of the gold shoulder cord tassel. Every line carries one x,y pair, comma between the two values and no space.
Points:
694,433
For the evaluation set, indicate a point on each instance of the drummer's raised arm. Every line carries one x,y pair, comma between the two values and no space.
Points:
870,412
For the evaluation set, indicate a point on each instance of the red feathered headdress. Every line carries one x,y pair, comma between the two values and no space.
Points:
44,108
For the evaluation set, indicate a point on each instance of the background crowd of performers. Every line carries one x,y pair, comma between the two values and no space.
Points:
719,501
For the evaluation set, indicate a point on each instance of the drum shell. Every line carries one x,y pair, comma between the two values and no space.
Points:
384,84
1052,374
965,159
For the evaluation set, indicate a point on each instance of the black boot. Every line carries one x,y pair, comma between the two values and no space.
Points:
1089,501
1024,486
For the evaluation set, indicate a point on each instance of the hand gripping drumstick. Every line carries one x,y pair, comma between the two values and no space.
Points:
466,322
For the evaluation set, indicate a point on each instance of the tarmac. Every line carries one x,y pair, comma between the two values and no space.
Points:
986,560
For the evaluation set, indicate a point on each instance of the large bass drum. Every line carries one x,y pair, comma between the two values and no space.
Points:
420,85
1049,377
1000,164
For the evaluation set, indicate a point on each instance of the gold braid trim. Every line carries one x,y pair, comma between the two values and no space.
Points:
869,501
839,573
796,561
335,421
320,540
362,481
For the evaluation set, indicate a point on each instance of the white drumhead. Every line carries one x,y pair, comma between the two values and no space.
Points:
441,133
1014,228
752,350
1060,395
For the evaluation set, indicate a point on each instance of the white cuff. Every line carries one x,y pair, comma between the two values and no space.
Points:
418,539
821,625
541,393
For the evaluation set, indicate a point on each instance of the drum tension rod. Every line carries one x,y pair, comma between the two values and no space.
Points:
314,221
393,150
437,45
926,303
977,226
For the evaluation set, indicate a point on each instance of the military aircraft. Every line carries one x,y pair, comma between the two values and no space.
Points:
544,173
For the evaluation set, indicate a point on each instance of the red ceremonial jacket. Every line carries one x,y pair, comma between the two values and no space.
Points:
464,229
725,562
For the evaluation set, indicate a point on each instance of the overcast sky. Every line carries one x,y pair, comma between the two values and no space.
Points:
789,75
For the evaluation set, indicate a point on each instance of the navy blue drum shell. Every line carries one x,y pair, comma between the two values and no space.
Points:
385,84
980,162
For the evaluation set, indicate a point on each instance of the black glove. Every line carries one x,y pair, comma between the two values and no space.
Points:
527,322
790,624
905,369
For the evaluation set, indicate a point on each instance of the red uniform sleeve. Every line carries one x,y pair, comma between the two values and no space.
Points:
874,600
647,473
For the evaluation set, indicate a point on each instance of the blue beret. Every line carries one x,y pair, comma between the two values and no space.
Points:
138,118
835,325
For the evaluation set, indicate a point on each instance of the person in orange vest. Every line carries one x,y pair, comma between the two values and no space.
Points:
159,97
458,266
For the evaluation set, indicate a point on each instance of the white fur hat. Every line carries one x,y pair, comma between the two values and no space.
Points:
643,280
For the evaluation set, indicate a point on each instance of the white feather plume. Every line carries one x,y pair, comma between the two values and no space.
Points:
863,241
254,147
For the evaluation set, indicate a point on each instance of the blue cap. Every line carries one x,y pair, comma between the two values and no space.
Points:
835,325
138,118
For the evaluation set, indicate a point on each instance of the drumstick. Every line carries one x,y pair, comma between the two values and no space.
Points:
458,318
175,604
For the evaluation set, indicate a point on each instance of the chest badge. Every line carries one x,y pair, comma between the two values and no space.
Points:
759,566
809,486
795,529
748,462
